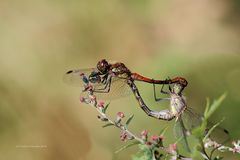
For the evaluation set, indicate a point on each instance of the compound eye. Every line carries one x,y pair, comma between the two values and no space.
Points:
103,66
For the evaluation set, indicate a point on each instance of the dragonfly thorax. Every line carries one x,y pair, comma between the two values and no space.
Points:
177,104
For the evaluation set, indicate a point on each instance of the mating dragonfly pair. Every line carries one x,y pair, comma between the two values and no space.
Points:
114,80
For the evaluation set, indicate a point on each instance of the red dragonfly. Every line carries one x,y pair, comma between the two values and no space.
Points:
114,80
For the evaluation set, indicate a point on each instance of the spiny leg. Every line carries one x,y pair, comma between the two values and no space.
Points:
155,97
107,87
105,80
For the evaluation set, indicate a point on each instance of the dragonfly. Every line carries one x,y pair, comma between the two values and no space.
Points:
114,80
186,118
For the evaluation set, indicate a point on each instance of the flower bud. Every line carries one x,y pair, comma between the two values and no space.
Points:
172,148
144,135
120,114
148,143
82,99
123,136
101,104
92,97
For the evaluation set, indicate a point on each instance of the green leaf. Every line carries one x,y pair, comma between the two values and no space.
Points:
105,108
207,107
107,125
162,132
129,119
214,106
127,146
199,131
146,152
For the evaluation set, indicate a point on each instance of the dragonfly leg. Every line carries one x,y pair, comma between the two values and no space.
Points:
169,87
162,91
155,97
107,87
106,80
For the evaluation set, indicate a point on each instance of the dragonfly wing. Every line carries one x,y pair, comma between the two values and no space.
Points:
192,120
181,133
118,88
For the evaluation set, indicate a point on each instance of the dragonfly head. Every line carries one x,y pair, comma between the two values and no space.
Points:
179,83
178,88
103,66
180,80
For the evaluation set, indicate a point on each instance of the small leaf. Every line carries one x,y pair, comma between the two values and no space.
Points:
178,140
127,146
199,131
129,119
207,107
162,132
105,108
215,105
107,125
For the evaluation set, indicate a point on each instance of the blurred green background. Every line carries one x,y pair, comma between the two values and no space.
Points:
41,40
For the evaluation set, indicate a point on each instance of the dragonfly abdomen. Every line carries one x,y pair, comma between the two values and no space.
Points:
164,115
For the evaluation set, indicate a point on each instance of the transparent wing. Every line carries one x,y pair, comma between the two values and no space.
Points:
180,133
192,120
118,88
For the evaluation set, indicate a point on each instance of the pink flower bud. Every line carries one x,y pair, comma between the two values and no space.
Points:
148,143
120,114
93,98
101,104
155,138
173,147
123,136
82,99
161,137
144,133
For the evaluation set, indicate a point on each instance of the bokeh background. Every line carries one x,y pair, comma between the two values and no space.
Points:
41,40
